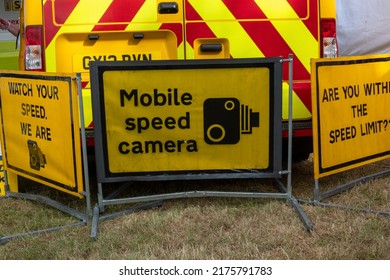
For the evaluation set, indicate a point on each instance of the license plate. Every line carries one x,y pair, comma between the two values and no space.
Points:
81,61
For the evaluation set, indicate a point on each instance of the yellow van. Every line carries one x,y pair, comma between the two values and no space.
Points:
65,35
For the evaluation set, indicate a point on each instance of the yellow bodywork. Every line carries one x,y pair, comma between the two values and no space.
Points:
67,52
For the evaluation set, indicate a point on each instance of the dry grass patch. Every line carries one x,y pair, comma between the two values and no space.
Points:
215,228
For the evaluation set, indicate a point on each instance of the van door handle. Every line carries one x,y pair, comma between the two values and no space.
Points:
168,8
211,47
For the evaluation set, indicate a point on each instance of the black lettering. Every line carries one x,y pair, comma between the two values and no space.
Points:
124,148
147,56
351,91
359,110
137,148
136,57
142,124
342,134
20,89
153,146
34,111
332,94
156,146
97,58
377,88
332,137
130,125
124,95
17,5
25,128
373,127
43,133
159,98
186,99
171,98
146,99
50,92
184,122
180,144
192,146
126,57
170,123
170,146
24,109
175,97
157,123
86,60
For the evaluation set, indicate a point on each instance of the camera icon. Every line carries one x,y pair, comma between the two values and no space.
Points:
37,158
225,119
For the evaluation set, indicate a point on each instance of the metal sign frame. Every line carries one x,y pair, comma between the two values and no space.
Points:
97,71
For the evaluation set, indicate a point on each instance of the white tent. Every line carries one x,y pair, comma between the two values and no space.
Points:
363,27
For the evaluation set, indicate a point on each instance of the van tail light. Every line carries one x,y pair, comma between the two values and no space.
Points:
328,38
34,59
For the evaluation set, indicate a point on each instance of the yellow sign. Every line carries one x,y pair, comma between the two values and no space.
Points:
187,119
2,178
41,136
351,118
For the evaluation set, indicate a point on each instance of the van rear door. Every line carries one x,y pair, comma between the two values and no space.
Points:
77,32
115,30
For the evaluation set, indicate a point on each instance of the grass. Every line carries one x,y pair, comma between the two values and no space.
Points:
214,228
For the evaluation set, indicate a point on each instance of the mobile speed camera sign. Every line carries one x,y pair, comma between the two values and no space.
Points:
192,117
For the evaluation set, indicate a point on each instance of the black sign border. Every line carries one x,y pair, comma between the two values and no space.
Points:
97,70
